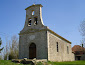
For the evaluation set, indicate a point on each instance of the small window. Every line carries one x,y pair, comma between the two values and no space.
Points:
29,22
33,12
35,21
57,47
67,50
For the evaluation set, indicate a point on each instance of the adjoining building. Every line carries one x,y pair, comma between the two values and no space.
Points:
79,52
37,41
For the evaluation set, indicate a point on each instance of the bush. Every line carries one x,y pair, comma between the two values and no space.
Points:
11,55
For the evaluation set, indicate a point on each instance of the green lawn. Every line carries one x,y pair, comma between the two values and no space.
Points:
68,63
8,62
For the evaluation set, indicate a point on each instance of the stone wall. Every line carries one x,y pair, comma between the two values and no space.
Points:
62,54
41,44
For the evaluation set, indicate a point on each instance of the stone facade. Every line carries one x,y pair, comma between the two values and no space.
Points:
38,41
63,54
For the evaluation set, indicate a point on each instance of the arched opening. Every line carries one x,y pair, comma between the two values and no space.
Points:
35,21
32,51
29,21
33,12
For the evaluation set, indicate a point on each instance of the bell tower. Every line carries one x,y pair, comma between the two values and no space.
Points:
34,15
33,18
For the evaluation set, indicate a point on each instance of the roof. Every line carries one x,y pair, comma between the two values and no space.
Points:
34,5
59,36
77,48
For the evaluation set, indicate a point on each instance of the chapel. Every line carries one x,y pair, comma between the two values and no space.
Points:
38,41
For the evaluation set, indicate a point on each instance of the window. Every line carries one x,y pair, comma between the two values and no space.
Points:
35,21
67,50
29,22
57,47
33,12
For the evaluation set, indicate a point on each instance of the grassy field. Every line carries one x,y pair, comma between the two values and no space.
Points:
8,62
68,63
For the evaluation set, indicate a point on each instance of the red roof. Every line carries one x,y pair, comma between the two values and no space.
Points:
77,48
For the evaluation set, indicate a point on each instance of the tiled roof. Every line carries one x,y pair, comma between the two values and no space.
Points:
77,48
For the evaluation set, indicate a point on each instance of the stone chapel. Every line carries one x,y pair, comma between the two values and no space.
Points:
37,41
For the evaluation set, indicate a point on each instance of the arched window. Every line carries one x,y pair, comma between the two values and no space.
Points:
33,12
35,21
29,21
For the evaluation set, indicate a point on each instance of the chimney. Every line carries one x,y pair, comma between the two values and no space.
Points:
82,45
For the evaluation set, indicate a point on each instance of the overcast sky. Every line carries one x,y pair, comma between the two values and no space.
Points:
61,16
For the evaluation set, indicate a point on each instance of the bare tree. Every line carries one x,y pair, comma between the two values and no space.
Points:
15,45
0,45
82,28
13,48
82,31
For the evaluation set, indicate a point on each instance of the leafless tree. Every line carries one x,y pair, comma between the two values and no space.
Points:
15,46
82,31
12,48
0,45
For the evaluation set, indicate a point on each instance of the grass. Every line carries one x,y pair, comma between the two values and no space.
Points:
8,62
68,63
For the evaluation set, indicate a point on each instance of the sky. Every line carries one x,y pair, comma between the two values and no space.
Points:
61,16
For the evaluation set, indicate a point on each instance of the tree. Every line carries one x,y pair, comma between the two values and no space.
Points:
13,48
82,31
0,45
82,28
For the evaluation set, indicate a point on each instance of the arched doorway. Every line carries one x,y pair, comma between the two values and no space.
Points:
32,51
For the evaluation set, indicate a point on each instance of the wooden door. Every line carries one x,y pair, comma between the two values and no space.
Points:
32,51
